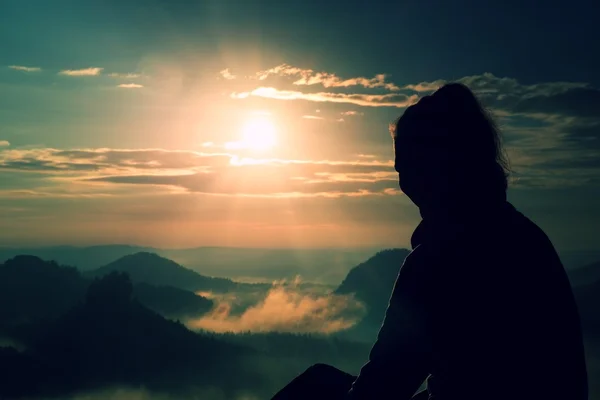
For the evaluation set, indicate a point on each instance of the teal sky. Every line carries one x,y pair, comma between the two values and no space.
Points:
124,121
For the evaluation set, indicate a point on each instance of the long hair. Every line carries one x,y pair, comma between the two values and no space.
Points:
454,119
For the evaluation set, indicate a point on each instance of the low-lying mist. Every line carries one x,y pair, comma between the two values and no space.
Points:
290,307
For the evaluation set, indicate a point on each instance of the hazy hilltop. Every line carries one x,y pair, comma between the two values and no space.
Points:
153,269
32,289
585,275
586,285
372,281
84,258
256,264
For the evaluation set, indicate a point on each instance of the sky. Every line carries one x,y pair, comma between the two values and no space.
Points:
262,123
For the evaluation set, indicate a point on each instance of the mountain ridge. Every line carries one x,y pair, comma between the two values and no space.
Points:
150,268
33,289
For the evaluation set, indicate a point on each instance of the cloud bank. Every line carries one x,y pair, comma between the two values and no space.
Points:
210,173
285,308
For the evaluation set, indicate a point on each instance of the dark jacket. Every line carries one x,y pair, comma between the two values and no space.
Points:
483,307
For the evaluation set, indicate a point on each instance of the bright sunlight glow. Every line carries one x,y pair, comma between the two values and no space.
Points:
258,133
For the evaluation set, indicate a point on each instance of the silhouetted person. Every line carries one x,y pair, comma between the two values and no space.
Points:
482,307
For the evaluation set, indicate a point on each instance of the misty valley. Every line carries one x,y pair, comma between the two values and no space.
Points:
142,326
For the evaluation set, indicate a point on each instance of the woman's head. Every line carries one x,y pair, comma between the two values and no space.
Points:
447,145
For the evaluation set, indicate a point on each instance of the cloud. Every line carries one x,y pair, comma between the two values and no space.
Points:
286,308
573,101
130,86
504,94
24,68
103,160
310,77
311,117
124,76
489,83
366,100
226,183
576,98
4,143
92,71
208,173
227,74
282,70
161,160
352,113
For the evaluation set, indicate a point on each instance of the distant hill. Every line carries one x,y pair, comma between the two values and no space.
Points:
576,259
586,287
84,258
153,269
32,289
373,280
588,301
585,275
172,302
328,265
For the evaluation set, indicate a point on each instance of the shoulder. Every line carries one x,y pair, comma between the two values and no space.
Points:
421,267
427,257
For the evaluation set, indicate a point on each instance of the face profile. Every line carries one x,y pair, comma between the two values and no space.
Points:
446,145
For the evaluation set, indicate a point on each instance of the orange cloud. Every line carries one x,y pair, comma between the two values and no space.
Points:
130,86
226,74
327,79
366,100
83,170
92,71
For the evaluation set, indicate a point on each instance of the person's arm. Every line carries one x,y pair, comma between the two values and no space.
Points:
398,361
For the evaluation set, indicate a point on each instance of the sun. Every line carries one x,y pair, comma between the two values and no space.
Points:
259,133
